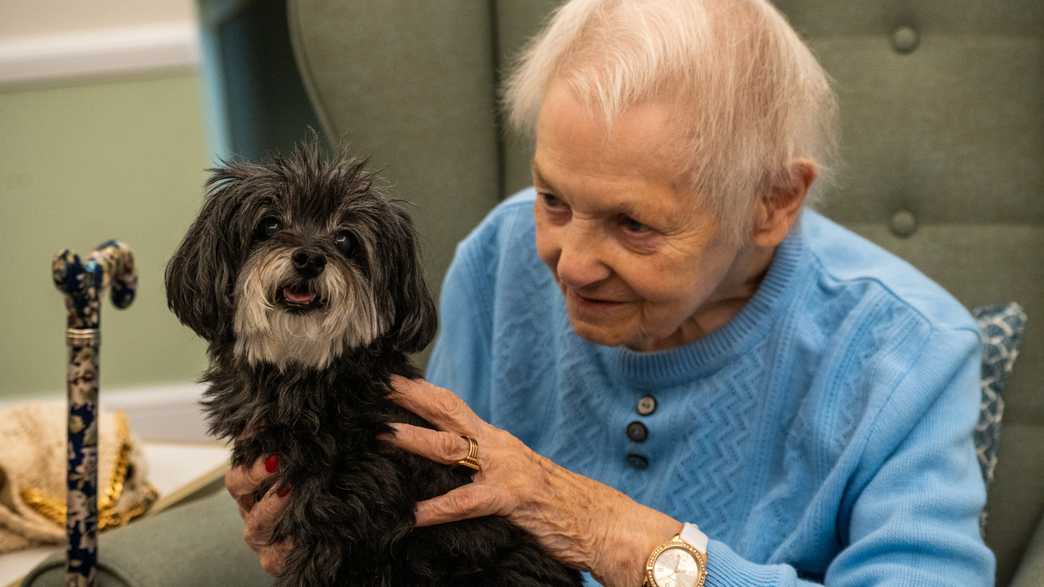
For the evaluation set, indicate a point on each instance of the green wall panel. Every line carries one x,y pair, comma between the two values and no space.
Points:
80,164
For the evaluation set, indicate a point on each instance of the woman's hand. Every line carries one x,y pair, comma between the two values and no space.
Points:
259,517
579,521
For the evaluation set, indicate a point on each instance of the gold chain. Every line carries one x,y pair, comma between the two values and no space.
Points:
55,511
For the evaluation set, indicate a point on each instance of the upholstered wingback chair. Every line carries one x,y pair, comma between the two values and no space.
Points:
942,107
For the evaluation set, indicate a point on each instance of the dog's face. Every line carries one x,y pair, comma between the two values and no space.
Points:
299,261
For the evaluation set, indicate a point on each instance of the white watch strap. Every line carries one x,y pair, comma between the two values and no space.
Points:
694,537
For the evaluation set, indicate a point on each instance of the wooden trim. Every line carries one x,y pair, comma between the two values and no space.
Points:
207,483
160,412
100,53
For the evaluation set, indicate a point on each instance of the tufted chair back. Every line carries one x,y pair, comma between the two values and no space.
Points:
942,106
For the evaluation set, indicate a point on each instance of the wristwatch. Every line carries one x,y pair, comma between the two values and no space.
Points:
679,562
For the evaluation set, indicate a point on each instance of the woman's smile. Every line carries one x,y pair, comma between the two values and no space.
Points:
591,306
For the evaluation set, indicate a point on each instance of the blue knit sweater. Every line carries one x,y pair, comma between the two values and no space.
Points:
823,435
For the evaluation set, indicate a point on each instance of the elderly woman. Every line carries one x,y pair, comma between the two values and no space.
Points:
666,361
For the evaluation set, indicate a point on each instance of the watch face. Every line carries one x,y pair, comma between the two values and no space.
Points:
675,567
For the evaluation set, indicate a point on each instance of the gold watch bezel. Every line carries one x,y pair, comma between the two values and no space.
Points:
675,542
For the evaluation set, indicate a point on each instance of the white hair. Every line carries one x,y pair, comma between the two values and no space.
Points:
755,97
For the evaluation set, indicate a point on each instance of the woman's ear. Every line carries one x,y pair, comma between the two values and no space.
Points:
200,276
780,208
416,319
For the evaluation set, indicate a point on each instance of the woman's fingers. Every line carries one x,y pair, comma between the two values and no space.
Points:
259,521
473,500
442,447
260,518
241,482
257,532
435,404
273,558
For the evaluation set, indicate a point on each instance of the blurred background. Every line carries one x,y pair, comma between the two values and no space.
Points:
110,112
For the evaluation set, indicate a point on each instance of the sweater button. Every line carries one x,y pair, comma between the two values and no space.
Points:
637,461
646,405
637,432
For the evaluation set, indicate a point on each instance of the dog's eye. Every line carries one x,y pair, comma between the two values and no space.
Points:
267,228
343,240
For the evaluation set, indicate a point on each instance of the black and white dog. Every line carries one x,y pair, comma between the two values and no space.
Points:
304,280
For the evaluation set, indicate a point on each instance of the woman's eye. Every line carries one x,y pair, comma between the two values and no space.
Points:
343,240
552,202
633,226
268,227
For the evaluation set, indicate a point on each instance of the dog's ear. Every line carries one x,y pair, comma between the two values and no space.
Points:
416,319
200,276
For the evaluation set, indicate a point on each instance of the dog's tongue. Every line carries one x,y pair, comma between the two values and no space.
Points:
298,298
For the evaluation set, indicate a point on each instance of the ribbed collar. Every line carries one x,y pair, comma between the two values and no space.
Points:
671,367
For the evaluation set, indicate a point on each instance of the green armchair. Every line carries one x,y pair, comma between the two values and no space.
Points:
943,139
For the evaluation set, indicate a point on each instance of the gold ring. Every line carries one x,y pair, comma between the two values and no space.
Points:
470,461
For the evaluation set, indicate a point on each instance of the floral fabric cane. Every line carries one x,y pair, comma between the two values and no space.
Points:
1000,327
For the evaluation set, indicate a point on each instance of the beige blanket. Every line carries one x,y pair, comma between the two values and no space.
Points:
33,467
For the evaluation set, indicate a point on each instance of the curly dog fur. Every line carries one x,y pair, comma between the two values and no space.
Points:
305,281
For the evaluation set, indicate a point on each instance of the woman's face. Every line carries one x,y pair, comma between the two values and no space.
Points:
639,263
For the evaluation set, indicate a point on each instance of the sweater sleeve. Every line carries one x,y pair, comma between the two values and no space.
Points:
910,516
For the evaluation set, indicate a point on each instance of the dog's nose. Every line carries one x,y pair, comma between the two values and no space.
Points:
308,263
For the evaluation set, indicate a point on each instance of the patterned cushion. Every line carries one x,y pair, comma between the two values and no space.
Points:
1000,327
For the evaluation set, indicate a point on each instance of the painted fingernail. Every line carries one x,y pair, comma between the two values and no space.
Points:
390,435
272,463
283,490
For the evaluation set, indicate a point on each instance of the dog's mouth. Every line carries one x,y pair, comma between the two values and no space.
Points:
300,297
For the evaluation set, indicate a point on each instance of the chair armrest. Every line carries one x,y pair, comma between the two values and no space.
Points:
199,544
1031,568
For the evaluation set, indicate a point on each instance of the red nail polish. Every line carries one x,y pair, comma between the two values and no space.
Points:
272,463
283,490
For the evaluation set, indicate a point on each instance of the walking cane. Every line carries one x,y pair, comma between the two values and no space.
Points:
111,264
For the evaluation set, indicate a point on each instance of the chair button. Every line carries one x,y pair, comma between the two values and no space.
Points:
905,40
646,405
637,461
637,432
904,223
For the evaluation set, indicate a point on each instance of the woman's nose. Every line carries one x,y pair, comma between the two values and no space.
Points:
579,264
